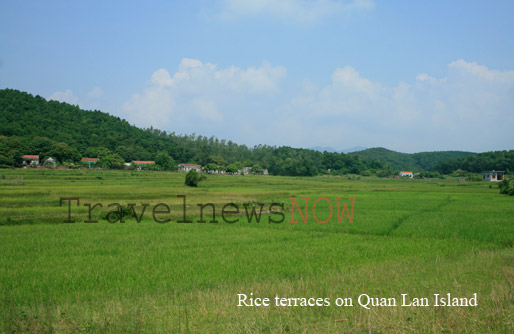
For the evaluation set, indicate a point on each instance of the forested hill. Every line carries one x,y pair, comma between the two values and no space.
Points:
31,125
499,160
413,161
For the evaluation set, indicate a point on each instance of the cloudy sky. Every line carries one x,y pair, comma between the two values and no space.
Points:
406,75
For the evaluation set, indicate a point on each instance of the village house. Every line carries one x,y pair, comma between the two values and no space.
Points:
91,161
30,160
188,167
493,175
141,162
406,174
244,171
215,171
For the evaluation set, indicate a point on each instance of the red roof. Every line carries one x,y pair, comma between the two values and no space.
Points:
405,172
28,156
139,162
190,165
90,159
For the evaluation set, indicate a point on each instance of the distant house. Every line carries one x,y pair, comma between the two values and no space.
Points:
141,162
30,160
406,174
188,167
91,161
218,170
244,171
493,175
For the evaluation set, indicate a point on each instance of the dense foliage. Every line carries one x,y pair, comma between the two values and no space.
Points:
193,178
506,187
414,161
499,160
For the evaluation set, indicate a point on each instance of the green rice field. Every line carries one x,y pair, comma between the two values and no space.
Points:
412,237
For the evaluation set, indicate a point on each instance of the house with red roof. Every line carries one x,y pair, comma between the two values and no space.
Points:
493,175
188,167
142,162
30,160
90,161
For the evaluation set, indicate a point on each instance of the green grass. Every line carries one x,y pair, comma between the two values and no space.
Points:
418,237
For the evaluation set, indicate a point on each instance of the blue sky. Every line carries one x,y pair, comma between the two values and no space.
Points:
405,75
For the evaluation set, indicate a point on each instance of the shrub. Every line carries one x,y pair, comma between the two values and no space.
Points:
506,187
193,178
384,173
474,177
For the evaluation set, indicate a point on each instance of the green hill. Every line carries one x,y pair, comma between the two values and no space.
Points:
414,161
31,125
498,160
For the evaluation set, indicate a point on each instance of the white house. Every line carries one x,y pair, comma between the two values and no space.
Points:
493,175
244,171
407,174
31,160
188,167
90,161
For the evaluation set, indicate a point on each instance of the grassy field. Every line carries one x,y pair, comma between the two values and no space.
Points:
415,237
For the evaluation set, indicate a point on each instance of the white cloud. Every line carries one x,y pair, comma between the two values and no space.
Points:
347,78
423,77
482,72
297,10
161,77
196,94
206,109
470,108
64,96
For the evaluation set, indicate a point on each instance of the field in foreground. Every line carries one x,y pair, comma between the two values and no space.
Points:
415,237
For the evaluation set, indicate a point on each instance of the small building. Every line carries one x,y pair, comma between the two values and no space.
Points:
141,162
406,174
188,167
244,171
91,161
30,160
493,175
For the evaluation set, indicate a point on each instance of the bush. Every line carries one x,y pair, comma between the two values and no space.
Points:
193,178
474,177
113,161
506,187
165,162
384,173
